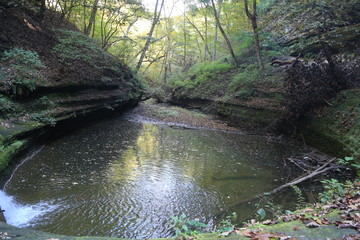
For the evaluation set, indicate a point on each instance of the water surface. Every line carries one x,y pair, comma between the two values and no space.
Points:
126,178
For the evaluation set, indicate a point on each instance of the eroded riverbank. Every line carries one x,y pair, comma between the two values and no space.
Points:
126,176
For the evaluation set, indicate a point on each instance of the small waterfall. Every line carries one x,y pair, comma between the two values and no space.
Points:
21,215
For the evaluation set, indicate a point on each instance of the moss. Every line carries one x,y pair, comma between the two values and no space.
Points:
338,125
248,116
8,152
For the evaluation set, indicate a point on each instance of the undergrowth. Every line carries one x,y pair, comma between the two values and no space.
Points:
186,228
20,71
7,152
76,47
44,117
199,73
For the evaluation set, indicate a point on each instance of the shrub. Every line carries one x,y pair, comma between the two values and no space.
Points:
20,70
75,46
244,81
185,228
6,106
199,73
44,117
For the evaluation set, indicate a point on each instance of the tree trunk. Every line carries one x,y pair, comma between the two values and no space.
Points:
206,39
224,34
201,36
253,18
185,37
92,18
148,40
217,16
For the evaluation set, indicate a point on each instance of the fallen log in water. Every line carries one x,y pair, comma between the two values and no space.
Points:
324,168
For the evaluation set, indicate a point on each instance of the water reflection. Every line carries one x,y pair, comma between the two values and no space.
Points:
126,179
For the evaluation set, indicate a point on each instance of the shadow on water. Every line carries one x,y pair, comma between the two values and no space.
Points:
126,178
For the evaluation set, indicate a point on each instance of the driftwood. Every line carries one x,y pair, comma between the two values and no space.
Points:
324,168
2,217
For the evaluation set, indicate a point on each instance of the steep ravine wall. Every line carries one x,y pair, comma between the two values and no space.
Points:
52,78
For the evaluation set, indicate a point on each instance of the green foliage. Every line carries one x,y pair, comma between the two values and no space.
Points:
244,48
22,70
43,102
350,161
164,113
334,190
186,228
77,47
266,206
244,81
6,105
44,117
228,223
301,202
158,93
265,5
199,73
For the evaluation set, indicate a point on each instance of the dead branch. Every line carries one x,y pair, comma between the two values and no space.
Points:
324,168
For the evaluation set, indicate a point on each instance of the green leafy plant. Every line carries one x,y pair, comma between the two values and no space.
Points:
228,223
199,73
301,202
75,46
185,228
350,161
244,81
6,106
266,206
44,117
334,190
23,70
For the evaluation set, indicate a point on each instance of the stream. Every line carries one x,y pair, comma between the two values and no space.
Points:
126,177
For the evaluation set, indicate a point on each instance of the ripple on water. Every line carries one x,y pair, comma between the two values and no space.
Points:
126,179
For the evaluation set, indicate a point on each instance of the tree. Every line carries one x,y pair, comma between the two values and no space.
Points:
88,28
228,43
156,18
253,18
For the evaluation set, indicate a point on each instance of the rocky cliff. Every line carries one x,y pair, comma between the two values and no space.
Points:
49,73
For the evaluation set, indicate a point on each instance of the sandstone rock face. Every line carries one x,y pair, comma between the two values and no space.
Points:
50,74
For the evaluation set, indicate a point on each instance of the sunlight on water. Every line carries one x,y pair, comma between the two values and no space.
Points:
126,179
21,215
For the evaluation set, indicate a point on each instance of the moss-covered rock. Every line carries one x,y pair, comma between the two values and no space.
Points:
7,152
336,128
49,75
244,96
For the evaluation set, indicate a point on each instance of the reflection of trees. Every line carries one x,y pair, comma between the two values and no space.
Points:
127,166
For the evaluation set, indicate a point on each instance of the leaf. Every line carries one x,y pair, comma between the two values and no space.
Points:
312,225
295,228
268,222
225,234
261,212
